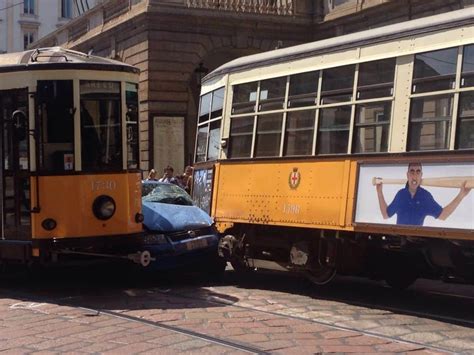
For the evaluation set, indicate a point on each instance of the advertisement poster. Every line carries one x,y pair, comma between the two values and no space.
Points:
416,194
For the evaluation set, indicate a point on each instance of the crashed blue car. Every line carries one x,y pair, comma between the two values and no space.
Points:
178,233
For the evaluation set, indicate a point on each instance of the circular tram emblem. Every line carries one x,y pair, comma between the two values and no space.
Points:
294,179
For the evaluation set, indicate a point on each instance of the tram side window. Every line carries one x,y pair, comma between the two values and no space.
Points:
201,143
241,131
337,84
209,125
131,99
244,98
205,107
467,77
56,115
214,138
299,132
372,127
272,94
268,138
333,132
435,71
101,136
430,122
376,79
203,126
303,89
465,131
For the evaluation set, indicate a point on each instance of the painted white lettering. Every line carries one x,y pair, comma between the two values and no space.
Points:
99,185
291,208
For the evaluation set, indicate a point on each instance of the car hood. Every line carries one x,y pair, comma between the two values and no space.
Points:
165,217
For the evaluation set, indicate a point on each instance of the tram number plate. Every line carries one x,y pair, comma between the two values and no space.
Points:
196,244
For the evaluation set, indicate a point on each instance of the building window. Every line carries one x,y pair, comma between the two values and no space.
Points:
29,7
66,8
29,37
336,3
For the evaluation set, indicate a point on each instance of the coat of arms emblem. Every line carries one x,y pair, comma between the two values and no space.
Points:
294,179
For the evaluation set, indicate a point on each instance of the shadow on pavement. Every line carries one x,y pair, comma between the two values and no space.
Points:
111,286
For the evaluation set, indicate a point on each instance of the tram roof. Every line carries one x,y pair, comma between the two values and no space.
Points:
59,58
381,34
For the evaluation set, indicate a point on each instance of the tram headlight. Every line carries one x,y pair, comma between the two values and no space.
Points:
103,207
49,224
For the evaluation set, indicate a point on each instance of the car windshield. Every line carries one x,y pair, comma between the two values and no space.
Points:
147,188
166,193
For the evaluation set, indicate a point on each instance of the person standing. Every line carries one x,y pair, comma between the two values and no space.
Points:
168,176
152,175
187,179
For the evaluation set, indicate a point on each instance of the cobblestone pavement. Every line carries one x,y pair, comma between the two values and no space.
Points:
171,318
379,322
49,328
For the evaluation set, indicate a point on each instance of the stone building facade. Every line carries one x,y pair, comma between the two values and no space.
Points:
174,42
24,22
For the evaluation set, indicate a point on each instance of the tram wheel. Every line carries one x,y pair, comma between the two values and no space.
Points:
322,275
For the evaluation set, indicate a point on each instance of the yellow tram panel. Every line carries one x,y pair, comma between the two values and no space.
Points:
78,193
296,193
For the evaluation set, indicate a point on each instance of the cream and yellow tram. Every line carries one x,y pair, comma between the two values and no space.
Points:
351,155
70,179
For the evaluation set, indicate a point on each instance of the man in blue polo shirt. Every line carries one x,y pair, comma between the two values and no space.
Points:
413,203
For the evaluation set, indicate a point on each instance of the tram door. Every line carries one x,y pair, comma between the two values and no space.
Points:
15,179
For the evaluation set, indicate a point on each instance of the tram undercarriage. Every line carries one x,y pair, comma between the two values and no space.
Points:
321,254
62,252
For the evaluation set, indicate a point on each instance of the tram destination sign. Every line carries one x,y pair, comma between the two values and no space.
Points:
437,195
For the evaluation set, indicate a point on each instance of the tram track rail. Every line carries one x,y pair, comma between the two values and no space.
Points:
218,301
215,340
76,302
80,301
69,302
420,293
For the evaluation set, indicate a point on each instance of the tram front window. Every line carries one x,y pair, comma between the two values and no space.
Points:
56,115
101,137
131,97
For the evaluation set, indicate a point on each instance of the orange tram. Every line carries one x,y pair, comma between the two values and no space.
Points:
70,179
351,155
